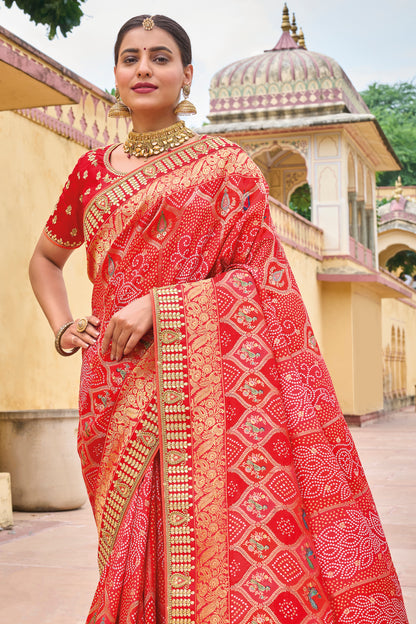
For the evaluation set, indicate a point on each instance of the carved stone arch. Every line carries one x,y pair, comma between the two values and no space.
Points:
387,373
393,338
404,364
296,186
283,163
390,251
256,148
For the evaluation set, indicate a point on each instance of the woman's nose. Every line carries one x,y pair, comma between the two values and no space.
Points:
143,67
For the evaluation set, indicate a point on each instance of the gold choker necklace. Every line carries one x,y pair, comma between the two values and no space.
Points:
144,144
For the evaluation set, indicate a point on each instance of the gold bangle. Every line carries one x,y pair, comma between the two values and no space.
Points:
58,337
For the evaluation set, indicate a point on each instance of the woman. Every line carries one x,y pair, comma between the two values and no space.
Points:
224,482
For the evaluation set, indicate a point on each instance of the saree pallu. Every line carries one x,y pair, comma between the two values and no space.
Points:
224,482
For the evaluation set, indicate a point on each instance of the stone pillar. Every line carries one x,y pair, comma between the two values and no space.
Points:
370,232
362,233
352,198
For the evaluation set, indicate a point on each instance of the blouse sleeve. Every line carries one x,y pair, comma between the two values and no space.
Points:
65,225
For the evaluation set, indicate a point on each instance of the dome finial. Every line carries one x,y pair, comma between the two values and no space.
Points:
301,40
285,19
286,42
398,191
294,29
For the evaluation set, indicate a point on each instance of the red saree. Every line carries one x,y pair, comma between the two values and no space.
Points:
224,482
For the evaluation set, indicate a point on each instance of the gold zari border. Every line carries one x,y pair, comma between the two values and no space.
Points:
176,456
138,454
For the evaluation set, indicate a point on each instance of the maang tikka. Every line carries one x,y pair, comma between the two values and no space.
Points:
119,109
185,107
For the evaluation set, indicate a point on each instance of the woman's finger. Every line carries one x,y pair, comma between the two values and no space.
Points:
71,338
87,325
118,343
108,335
94,320
131,343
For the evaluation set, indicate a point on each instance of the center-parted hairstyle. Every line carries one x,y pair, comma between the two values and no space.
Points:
165,23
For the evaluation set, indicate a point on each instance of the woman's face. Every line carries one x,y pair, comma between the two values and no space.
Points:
149,75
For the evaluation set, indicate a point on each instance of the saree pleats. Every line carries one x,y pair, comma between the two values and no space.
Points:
224,482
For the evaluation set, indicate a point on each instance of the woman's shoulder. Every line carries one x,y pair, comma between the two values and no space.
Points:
94,157
94,163
232,157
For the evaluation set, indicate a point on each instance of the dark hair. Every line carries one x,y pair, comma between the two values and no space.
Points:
165,23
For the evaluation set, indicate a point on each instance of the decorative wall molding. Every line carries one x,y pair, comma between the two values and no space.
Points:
86,123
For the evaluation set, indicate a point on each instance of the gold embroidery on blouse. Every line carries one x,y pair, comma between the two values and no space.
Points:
59,241
68,210
92,157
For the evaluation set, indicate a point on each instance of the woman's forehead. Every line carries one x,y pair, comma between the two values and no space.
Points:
140,38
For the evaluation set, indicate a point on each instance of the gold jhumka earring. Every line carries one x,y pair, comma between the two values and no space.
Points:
119,109
185,107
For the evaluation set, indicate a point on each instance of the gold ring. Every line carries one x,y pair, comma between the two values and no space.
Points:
82,324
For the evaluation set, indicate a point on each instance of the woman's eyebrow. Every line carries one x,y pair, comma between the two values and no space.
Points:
153,49
158,48
130,50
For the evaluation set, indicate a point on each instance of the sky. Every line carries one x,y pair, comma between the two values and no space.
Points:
372,40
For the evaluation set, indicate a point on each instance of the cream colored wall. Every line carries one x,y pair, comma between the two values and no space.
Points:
352,345
305,268
401,315
35,163
368,360
337,340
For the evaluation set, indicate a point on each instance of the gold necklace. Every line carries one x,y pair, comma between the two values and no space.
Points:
144,144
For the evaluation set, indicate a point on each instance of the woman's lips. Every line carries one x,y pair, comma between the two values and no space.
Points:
144,87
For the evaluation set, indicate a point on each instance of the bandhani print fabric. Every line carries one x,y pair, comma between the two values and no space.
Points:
224,482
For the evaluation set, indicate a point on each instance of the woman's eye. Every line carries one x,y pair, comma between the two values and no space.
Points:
129,59
161,59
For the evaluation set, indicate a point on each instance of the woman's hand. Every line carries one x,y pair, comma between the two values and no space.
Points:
73,338
127,327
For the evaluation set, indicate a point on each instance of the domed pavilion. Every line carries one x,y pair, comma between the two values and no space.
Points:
305,125
299,116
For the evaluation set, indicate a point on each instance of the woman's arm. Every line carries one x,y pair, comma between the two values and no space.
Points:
45,271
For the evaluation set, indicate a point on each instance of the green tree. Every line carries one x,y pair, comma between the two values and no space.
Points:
62,14
405,260
395,109
300,201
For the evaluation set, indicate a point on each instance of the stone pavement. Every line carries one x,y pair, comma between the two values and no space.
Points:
48,569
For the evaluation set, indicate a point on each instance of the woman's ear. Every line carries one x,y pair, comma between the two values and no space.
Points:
188,73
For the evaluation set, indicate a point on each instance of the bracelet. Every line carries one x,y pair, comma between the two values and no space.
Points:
58,337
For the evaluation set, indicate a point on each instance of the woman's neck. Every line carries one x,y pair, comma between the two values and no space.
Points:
143,124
